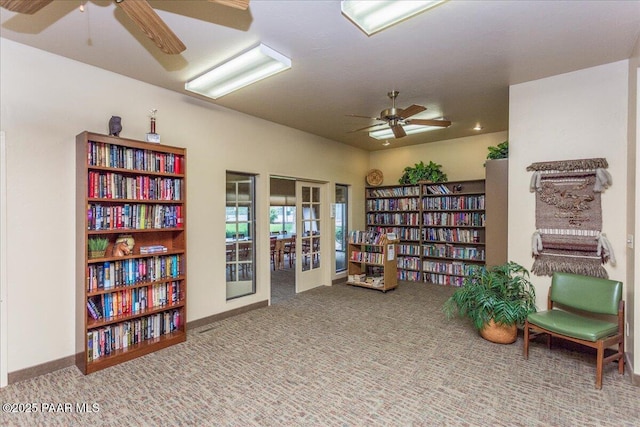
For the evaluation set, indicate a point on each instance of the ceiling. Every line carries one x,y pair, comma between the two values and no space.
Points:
457,59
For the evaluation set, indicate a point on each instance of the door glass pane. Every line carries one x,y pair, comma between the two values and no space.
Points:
239,241
315,212
341,227
316,195
306,195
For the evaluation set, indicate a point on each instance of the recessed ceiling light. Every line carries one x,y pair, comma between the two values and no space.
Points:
240,71
477,127
386,142
374,16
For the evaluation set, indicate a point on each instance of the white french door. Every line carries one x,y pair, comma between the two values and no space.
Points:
311,258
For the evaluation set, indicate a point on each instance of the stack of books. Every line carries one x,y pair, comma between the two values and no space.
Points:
153,249
356,278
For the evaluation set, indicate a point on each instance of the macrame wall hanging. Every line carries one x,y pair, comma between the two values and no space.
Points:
568,236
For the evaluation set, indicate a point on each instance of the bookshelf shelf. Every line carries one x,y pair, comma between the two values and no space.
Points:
136,350
372,261
131,305
450,217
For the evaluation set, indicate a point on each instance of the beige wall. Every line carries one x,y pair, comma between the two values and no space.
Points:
577,115
46,100
466,162
633,196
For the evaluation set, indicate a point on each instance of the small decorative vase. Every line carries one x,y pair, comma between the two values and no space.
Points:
500,334
128,239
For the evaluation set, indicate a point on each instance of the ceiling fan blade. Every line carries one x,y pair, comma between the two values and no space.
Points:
141,12
24,6
237,4
370,127
424,122
411,110
363,117
398,131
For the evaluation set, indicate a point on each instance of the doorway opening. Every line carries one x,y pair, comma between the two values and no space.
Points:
282,238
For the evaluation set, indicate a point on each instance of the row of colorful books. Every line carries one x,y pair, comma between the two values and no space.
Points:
437,189
132,271
133,301
454,235
366,237
456,268
404,249
409,275
394,218
110,185
443,279
453,202
449,251
402,233
133,216
109,339
117,156
367,257
403,204
394,191
412,263
456,219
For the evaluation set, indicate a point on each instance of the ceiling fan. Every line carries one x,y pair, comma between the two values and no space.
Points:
140,12
396,118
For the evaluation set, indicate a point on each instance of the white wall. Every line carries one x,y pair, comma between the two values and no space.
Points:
577,115
465,163
633,197
46,100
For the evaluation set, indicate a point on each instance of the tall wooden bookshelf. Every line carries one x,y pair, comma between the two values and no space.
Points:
129,305
396,209
453,234
372,260
440,226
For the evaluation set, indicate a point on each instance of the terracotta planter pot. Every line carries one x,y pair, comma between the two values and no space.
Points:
501,334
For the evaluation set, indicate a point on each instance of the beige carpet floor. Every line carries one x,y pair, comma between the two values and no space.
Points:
338,356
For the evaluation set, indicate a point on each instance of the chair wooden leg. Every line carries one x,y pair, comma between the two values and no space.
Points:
599,365
621,359
526,340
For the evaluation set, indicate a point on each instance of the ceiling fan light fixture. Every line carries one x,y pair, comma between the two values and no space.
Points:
374,16
408,129
241,70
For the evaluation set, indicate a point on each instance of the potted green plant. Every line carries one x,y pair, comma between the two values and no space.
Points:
421,172
501,151
98,246
497,300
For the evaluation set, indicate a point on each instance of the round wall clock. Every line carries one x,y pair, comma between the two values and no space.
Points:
374,177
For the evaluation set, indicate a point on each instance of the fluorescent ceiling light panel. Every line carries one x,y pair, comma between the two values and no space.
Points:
408,129
376,15
242,70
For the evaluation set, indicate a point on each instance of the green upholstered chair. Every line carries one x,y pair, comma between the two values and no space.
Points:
585,310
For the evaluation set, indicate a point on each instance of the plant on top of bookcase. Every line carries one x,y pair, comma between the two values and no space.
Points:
497,300
98,246
501,151
431,172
